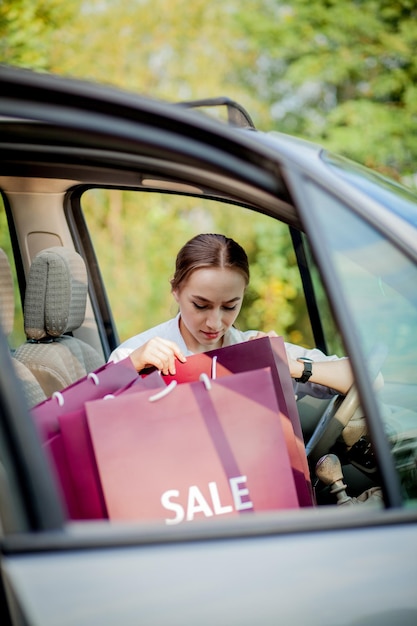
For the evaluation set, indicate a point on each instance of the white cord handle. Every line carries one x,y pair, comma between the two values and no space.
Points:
92,376
214,368
206,380
59,398
164,392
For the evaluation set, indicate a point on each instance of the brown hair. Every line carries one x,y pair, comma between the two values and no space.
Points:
209,250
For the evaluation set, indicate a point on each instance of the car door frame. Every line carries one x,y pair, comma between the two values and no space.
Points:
38,529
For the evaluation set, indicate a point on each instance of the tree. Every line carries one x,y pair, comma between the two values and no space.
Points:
27,28
342,75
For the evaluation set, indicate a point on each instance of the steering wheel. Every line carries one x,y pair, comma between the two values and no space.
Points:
337,415
341,410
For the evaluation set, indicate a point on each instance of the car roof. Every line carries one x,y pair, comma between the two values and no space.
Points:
48,102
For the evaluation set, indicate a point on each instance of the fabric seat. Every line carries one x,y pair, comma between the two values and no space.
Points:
33,391
55,304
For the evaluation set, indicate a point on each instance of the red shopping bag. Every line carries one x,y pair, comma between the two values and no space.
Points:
210,363
63,430
193,452
243,357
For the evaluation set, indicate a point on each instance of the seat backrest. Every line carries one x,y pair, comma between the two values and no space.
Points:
55,304
33,391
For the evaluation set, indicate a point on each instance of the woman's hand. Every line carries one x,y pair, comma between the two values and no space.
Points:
159,353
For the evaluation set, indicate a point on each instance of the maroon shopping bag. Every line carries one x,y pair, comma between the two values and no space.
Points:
243,357
63,431
106,379
193,452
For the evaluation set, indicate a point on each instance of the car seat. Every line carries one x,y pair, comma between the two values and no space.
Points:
55,305
32,389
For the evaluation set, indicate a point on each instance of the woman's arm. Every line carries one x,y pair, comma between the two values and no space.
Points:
335,374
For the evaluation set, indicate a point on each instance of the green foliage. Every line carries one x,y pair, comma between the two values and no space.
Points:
341,75
137,237
17,336
27,28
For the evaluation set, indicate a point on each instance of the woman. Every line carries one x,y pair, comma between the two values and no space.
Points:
211,276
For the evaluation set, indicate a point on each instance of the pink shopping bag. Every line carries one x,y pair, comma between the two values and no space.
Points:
243,357
194,451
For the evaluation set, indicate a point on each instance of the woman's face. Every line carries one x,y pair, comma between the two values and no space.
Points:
209,301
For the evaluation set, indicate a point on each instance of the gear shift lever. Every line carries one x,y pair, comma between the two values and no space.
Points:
329,471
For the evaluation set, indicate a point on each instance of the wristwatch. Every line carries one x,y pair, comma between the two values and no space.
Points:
308,369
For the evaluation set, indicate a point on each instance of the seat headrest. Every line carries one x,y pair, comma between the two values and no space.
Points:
6,294
56,293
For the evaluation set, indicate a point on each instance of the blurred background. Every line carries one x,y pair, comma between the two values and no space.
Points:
342,74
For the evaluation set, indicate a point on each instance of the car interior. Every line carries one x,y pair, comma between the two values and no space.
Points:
69,254
63,342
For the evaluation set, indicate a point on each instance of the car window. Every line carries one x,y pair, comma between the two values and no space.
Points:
379,281
17,336
136,236
397,198
332,337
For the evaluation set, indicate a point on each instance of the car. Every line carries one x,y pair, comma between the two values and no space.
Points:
73,155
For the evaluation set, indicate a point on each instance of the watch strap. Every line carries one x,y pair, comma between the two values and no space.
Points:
308,370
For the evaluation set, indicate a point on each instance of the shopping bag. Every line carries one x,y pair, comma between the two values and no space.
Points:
63,431
106,379
246,356
242,357
204,362
194,451
80,458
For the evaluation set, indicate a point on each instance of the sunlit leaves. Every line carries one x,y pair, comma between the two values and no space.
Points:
344,71
26,29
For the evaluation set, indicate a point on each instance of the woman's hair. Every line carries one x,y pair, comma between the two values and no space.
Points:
209,250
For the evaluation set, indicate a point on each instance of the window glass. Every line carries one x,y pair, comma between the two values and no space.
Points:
331,333
379,283
137,235
17,336
398,199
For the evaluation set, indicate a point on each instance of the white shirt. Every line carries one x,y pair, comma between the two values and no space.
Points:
171,330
